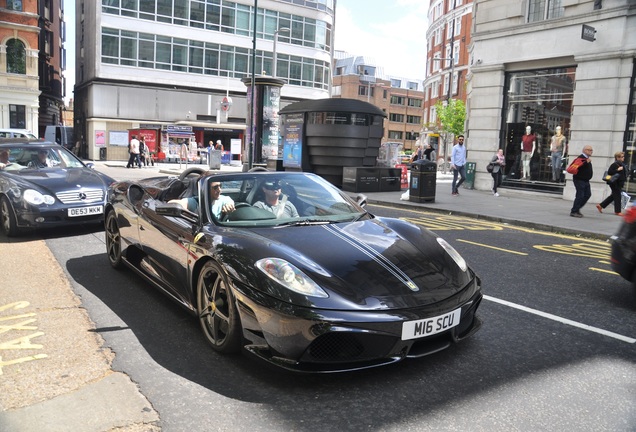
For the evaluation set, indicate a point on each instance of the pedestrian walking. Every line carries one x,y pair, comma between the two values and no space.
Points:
616,186
133,149
581,179
143,151
498,161
458,165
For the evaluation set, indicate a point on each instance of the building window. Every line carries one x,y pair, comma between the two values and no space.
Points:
16,57
398,100
397,135
413,119
228,17
540,10
417,103
399,118
456,53
365,90
541,99
183,55
458,25
438,36
15,5
435,89
412,136
17,116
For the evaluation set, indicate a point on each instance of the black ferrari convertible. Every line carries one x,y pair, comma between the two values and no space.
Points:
44,185
289,268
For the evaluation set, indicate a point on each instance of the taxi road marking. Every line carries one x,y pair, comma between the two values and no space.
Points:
492,247
562,320
23,342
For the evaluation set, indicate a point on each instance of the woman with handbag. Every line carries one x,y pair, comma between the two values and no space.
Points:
498,161
616,185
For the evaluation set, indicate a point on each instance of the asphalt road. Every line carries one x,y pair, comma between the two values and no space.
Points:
556,352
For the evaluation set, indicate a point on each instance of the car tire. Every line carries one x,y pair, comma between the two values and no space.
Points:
8,223
113,240
217,311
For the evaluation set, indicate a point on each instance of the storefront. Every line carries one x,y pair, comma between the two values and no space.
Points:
540,100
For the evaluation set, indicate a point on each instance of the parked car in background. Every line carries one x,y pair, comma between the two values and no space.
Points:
326,287
44,185
62,135
17,133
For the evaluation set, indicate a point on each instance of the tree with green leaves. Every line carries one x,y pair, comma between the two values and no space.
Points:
451,116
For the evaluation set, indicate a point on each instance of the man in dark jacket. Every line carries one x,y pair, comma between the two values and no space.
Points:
582,182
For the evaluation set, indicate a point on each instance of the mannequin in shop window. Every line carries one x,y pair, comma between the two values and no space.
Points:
557,147
528,146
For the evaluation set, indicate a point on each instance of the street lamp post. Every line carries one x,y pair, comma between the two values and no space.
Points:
250,149
280,30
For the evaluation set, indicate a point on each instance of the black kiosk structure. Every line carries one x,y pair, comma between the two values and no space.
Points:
338,139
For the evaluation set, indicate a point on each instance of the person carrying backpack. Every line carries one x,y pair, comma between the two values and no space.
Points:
581,170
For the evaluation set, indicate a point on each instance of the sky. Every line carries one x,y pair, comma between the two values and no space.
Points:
69,44
391,33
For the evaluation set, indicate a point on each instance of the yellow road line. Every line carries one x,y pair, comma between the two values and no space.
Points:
603,271
499,224
492,247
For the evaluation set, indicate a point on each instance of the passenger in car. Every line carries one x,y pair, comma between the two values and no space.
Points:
221,204
273,202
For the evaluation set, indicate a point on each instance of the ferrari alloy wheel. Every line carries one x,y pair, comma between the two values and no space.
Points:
216,309
7,218
113,240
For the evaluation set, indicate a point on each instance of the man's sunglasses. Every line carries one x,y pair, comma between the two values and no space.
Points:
215,187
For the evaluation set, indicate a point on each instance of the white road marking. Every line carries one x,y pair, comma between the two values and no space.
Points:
562,320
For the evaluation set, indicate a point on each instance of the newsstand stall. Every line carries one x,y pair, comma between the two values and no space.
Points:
177,143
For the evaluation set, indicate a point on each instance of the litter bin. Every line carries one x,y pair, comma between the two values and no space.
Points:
214,159
423,181
469,183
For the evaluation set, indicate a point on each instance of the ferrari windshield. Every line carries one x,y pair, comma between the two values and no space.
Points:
275,199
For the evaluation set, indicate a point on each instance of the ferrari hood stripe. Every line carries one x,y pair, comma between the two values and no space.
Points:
374,255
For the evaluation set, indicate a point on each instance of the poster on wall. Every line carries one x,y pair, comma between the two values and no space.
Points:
151,137
118,138
292,140
270,136
100,138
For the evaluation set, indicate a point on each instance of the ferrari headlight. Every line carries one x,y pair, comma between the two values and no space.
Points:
453,254
289,276
34,197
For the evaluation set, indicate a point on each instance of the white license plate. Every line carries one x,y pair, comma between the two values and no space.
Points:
430,326
85,211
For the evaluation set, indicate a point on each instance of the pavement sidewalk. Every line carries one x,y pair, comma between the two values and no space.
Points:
528,209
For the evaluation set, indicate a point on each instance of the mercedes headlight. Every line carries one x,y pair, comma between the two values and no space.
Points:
34,197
